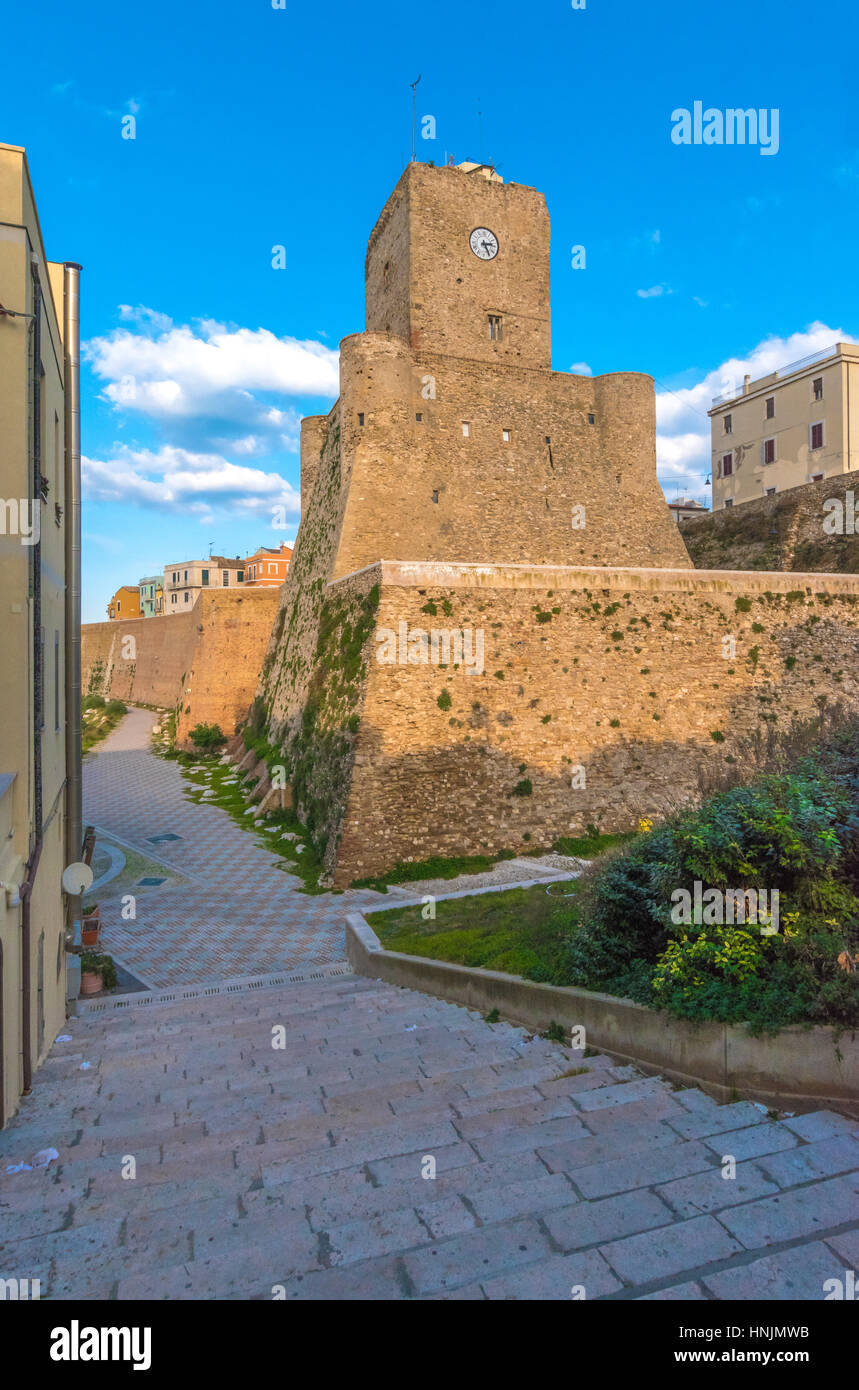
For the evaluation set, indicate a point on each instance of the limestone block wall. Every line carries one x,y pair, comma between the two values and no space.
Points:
232,633
449,459
206,661
425,285
782,532
621,674
150,667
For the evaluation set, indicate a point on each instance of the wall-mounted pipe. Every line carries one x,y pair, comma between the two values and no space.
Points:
72,422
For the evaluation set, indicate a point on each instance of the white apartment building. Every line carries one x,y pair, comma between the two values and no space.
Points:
184,582
798,425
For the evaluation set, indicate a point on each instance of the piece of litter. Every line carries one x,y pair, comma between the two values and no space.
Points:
64,1037
410,1027
19,1168
85,1066
44,1157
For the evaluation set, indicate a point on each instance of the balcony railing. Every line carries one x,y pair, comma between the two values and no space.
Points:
781,372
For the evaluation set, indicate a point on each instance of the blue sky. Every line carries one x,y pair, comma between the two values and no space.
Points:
258,127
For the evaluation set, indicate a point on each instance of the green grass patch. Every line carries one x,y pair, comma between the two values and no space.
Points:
99,719
419,870
520,931
591,845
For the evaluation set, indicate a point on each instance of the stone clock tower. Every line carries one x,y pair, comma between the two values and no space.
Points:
459,482
458,263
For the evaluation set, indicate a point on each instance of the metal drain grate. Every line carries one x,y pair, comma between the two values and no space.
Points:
153,998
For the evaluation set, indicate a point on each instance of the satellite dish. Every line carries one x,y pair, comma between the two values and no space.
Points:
77,878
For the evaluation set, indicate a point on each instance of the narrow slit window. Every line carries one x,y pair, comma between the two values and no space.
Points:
466,429
360,417
496,331
592,419
505,435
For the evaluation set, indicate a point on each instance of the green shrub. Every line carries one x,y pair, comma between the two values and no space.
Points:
93,702
207,738
796,832
96,961
115,707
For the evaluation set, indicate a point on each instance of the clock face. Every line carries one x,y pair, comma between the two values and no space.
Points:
484,243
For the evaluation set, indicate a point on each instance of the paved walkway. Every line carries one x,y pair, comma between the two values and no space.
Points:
236,914
300,1172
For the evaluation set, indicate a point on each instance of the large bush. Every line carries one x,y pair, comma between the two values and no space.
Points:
798,833
207,738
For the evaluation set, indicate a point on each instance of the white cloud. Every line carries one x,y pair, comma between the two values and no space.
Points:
654,292
211,370
682,427
581,369
180,481
147,318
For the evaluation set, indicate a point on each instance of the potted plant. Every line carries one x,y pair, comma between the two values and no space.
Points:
90,925
98,972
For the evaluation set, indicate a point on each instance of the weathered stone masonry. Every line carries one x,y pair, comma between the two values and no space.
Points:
203,662
448,447
620,672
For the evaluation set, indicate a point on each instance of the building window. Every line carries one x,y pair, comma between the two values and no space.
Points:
592,419
173,597
186,577
240,577
225,578
186,595
729,501
728,425
505,435
770,404
817,477
770,492
495,330
118,605
727,465
769,451
817,389
466,429
435,495
816,433
419,417
360,417
205,578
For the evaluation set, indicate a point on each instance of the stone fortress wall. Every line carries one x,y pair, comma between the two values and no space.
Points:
204,662
413,523
782,532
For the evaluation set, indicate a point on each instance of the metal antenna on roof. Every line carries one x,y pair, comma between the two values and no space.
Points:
413,85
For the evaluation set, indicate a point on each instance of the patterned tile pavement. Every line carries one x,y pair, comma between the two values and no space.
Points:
237,914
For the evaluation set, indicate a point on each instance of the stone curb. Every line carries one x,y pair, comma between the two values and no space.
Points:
795,1069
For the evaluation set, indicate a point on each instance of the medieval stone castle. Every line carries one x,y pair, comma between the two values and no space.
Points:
461,497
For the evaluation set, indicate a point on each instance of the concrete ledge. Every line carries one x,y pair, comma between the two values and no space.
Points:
411,574
797,1069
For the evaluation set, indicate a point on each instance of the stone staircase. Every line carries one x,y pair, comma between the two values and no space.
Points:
301,1171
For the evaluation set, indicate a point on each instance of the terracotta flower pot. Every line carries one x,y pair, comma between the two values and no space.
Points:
91,982
90,928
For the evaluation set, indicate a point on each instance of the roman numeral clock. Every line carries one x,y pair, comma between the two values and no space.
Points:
484,243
